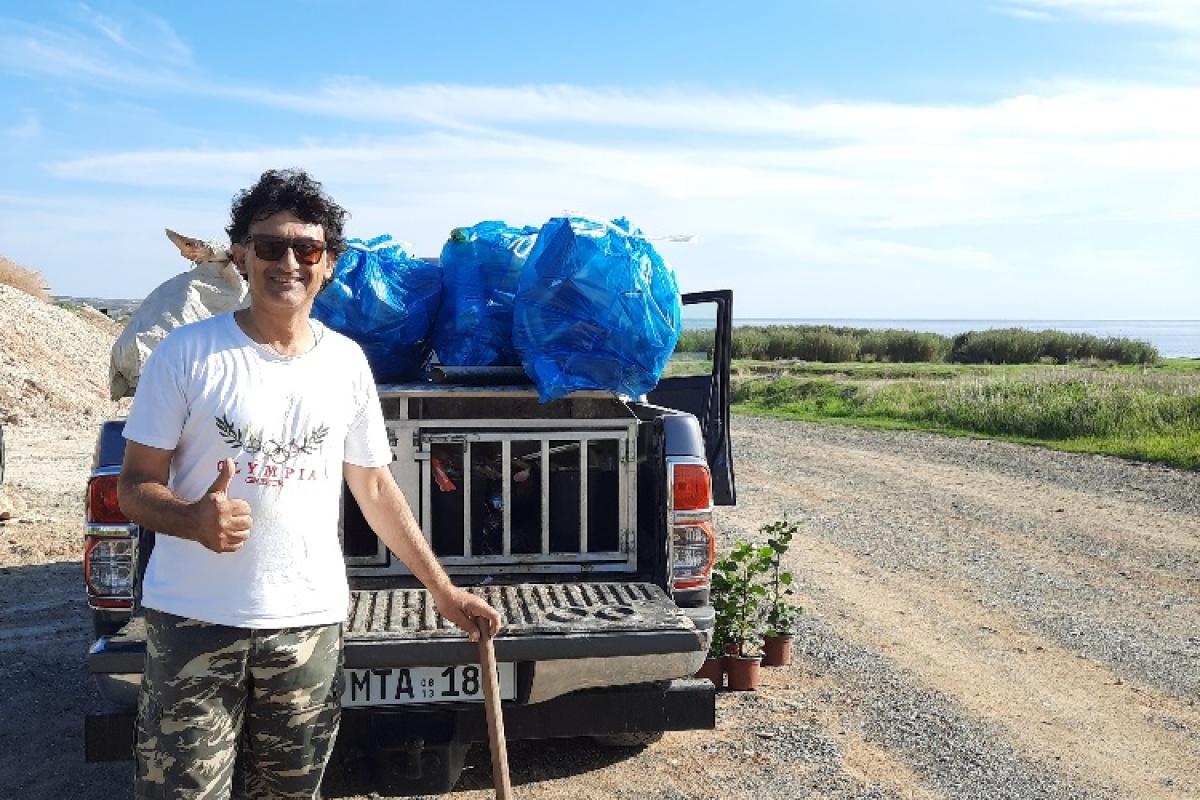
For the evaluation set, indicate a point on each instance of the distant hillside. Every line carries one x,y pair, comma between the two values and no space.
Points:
112,308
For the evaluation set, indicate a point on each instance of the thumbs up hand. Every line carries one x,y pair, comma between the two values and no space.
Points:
222,525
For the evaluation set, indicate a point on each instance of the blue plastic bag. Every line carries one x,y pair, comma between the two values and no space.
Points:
597,308
386,300
480,269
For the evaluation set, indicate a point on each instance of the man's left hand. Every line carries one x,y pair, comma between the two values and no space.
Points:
467,611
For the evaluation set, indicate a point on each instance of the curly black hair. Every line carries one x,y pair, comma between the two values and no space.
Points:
288,190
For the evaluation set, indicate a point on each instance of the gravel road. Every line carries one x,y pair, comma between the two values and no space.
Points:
982,621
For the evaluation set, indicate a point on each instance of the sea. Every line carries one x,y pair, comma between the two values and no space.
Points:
1172,338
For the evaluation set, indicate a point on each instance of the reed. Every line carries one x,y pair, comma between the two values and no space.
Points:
834,344
1021,346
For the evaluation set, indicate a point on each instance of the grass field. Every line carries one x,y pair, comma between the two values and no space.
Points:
1149,412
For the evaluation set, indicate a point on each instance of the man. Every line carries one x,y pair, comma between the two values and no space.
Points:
242,430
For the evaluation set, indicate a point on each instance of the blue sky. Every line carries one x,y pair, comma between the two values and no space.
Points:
1023,159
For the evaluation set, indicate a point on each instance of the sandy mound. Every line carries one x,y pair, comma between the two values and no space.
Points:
53,362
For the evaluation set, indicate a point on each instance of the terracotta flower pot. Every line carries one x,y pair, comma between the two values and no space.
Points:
714,670
777,651
742,672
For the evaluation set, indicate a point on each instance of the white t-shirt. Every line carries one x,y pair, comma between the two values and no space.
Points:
209,392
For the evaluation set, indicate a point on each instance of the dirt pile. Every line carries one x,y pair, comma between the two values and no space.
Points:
53,362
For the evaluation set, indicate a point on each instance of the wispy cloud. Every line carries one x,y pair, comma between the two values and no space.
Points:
1182,15
141,34
28,128
1024,13
142,51
1085,151
1076,111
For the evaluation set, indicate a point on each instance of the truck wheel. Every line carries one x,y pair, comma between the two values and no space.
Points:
640,739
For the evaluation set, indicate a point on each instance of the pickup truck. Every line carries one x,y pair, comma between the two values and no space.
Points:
587,521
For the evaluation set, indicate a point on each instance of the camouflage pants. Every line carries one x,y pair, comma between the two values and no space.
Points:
235,712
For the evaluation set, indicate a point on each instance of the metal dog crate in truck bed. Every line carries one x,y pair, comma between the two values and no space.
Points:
511,492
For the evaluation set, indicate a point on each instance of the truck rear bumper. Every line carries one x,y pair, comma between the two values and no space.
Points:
116,664
372,739
550,679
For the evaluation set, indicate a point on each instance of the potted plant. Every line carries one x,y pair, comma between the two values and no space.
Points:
714,661
737,595
779,611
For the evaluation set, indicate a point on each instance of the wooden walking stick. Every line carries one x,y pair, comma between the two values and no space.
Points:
495,719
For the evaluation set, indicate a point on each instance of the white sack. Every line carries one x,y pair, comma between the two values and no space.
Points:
213,286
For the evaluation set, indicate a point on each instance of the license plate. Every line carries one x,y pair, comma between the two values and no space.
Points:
401,686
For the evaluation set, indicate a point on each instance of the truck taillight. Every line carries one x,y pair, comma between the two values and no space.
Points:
102,505
693,544
691,487
693,550
108,563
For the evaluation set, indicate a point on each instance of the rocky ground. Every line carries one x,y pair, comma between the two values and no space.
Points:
53,362
982,620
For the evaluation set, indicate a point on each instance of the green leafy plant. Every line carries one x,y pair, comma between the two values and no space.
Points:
737,596
716,647
751,593
779,611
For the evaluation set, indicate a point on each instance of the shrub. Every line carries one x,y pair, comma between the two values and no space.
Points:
780,612
1126,351
737,597
828,345
904,347
751,592
750,342
18,277
1021,346
695,340
784,342
831,344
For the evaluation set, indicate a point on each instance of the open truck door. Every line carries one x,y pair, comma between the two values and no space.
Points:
698,382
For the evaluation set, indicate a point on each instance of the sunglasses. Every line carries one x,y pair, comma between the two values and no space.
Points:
273,248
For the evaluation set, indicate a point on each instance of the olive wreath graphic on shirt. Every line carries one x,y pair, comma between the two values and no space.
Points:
270,449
